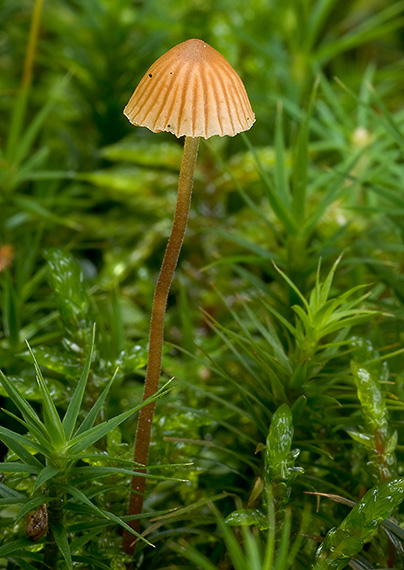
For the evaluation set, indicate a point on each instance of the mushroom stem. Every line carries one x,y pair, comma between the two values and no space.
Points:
156,335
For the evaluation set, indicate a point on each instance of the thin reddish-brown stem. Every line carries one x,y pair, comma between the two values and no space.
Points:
156,335
32,43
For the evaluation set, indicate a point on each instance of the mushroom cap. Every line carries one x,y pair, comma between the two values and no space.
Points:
191,90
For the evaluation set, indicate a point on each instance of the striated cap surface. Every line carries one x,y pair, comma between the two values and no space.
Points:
191,90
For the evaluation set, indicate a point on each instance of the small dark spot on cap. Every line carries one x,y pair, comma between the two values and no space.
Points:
150,75
171,72
168,126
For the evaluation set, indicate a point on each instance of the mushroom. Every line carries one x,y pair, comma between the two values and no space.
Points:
191,90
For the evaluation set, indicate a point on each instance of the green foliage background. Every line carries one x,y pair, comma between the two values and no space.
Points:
284,329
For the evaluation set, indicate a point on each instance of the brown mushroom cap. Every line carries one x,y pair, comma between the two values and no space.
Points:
191,90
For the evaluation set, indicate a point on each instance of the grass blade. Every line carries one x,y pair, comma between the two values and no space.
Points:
89,437
14,442
89,420
52,420
60,534
47,473
70,419
30,416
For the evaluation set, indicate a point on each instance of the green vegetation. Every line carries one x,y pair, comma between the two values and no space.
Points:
278,443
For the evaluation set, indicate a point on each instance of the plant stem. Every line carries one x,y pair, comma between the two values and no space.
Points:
18,116
32,42
156,335
55,514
